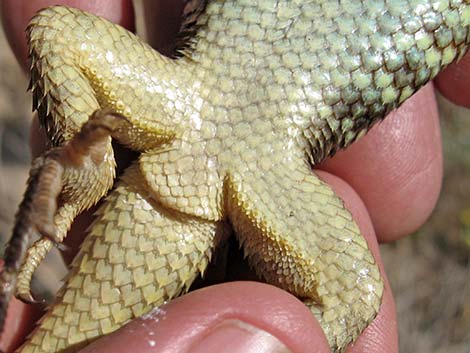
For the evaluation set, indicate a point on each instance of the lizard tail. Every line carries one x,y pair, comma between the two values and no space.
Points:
299,236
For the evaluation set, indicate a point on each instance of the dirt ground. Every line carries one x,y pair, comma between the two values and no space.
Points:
429,271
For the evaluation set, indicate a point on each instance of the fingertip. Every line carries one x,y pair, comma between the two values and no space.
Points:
188,324
454,82
20,321
17,14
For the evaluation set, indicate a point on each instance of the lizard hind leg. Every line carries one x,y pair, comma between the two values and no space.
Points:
68,86
136,256
63,182
297,235
58,189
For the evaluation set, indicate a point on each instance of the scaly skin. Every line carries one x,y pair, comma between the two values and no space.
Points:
227,137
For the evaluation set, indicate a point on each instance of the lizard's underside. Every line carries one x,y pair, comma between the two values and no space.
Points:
227,134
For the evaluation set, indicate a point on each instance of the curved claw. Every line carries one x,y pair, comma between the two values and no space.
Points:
62,247
28,298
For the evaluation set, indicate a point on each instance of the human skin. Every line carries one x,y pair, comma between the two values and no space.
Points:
390,180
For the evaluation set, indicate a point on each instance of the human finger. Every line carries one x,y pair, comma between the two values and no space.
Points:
454,82
16,14
240,316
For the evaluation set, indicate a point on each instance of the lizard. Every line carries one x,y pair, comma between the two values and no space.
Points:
227,134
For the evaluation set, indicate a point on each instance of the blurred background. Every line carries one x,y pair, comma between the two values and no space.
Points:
429,271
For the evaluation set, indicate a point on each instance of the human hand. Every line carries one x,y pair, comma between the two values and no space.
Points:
398,161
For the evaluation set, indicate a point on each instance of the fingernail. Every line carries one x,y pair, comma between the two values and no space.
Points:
235,336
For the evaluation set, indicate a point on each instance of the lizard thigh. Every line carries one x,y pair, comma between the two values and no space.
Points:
81,63
136,256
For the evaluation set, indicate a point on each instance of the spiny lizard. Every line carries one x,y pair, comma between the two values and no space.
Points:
227,134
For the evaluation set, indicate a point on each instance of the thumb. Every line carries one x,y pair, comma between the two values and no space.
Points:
247,317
